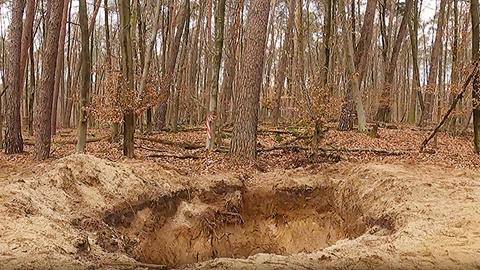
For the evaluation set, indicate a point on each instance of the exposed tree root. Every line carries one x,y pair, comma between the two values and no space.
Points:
345,150
184,145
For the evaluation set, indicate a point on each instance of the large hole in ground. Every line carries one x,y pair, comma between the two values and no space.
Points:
184,228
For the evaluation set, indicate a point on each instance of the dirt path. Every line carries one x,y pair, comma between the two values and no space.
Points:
84,212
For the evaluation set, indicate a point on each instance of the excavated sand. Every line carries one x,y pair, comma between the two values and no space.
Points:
86,213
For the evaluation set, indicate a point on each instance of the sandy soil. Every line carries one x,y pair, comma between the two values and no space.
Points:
82,212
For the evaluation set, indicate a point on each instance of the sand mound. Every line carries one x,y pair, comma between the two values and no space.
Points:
52,217
84,212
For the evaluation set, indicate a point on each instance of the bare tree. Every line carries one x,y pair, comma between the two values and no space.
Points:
59,72
434,66
416,91
244,137
358,58
212,117
13,133
127,70
384,108
84,78
231,53
43,106
474,11
282,68
171,60
27,35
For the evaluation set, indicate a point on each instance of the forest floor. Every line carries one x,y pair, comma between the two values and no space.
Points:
361,203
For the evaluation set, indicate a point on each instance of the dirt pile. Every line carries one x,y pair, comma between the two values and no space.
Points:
84,212
52,216
416,218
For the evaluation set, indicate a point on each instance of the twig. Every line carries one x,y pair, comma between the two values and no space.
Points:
345,150
170,155
161,153
74,141
230,130
136,265
186,146
457,98
4,91
368,150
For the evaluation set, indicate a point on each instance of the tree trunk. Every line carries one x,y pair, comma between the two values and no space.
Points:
2,92
27,35
282,66
148,60
43,106
84,78
244,136
13,132
193,69
71,59
33,90
59,73
1,118
327,35
455,73
354,87
168,76
434,65
384,108
231,53
416,92
212,117
180,71
474,10
299,68
127,70
149,51
359,59
114,128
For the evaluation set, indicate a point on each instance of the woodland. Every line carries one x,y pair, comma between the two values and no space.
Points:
240,134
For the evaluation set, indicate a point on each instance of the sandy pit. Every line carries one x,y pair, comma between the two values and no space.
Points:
82,212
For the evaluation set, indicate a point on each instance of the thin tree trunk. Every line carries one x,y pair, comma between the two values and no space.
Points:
359,59
351,69
455,74
127,69
168,76
33,90
212,117
299,68
180,72
148,60
231,53
474,10
384,108
327,36
84,78
27,35
195,66
59,74
282,66
434,66
149,51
